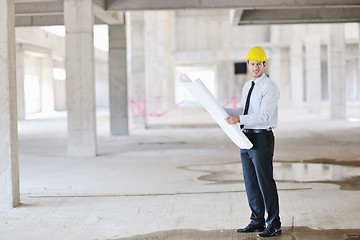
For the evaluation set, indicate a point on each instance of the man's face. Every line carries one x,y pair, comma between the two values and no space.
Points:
256,68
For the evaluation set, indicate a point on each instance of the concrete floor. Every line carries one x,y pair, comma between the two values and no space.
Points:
181,183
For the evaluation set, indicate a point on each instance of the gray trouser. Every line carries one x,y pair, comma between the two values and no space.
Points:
258,177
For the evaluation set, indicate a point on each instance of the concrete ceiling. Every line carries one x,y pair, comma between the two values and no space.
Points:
50,12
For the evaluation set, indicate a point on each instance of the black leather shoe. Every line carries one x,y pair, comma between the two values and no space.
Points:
270,232
251,228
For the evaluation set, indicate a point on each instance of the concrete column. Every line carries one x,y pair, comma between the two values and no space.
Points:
296,70
137,66
9,163
118,80
80,80
358,75
274,62
313,73
285,83
336,71
225,79
20,74
102,91
47,85
60,88
158,61
274,67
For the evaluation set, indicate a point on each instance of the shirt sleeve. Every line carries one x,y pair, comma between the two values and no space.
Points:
268,105
234,111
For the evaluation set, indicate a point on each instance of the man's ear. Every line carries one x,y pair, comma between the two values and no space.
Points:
264,64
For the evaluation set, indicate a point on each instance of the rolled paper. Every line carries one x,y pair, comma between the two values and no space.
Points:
198,89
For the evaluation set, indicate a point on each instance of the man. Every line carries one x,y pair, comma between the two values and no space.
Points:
258,115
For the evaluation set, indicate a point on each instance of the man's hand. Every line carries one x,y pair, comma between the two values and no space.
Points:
232,119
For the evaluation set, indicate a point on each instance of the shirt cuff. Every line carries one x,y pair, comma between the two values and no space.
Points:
242,119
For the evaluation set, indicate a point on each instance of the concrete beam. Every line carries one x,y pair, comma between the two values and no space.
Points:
37,12
34,1
37,40
108,17
39,8
122,5
29,21
9,163
49,13
100,3
54,20
303,15
39,50
235,16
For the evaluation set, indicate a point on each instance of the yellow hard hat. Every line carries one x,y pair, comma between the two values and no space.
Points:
256,54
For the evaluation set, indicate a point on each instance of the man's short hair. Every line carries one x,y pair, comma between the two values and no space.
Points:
248,61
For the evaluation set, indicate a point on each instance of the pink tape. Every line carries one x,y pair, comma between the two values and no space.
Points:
231,101
138,110
165,112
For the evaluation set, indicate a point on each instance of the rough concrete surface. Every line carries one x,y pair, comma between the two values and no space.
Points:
177,183
288,233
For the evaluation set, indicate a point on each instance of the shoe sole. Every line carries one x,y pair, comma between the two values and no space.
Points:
276,233
257,230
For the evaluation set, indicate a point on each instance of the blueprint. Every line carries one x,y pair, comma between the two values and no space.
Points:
208,101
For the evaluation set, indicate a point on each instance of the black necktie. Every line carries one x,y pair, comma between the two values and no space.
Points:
248,100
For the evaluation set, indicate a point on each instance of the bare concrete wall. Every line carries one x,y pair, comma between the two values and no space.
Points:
211,29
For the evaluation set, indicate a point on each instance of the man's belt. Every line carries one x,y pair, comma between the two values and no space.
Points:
256,130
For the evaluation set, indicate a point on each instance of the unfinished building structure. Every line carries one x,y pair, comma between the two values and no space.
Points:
313,49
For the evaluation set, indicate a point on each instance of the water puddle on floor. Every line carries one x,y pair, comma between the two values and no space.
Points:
348,177
288,233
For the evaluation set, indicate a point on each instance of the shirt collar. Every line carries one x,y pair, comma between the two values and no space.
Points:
260,79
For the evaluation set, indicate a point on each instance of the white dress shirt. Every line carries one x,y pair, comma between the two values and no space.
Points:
263,108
